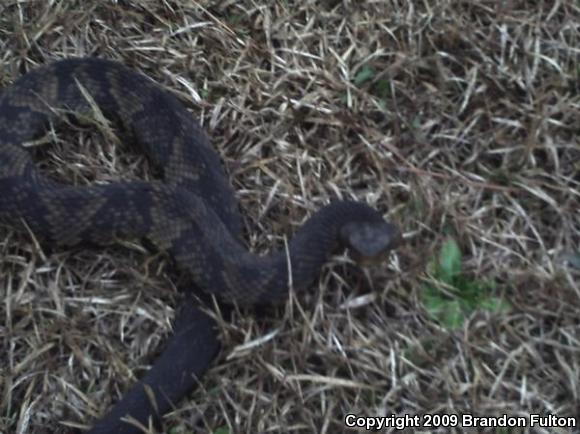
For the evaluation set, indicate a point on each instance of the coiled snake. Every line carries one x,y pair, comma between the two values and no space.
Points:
190,212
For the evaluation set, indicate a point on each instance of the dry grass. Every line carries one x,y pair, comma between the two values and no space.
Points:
455,118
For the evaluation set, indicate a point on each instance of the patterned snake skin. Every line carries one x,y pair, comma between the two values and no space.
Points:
190,212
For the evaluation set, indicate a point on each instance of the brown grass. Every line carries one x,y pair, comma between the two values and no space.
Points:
467,126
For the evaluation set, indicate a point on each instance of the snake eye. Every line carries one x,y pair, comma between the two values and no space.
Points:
370,242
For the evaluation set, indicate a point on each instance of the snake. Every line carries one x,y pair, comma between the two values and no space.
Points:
189,210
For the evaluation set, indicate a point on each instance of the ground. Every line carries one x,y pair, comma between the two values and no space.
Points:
457,120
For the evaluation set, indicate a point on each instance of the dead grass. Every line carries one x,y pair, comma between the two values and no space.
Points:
455,118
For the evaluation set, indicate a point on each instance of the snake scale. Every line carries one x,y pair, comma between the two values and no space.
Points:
190,211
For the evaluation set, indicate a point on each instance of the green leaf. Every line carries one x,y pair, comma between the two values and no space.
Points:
449,261
222,430
364,74
434,304
382,88
416,123
234,18
454,316
495,305
448,312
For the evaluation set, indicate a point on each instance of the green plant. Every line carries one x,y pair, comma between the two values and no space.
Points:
451,296
364,74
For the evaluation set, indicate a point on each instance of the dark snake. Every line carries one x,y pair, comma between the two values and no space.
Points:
190,212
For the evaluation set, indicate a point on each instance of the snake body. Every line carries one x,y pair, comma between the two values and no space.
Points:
190,212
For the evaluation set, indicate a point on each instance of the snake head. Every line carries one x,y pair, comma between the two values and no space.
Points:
369,243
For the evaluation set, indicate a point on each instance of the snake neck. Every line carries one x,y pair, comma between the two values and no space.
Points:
233,273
